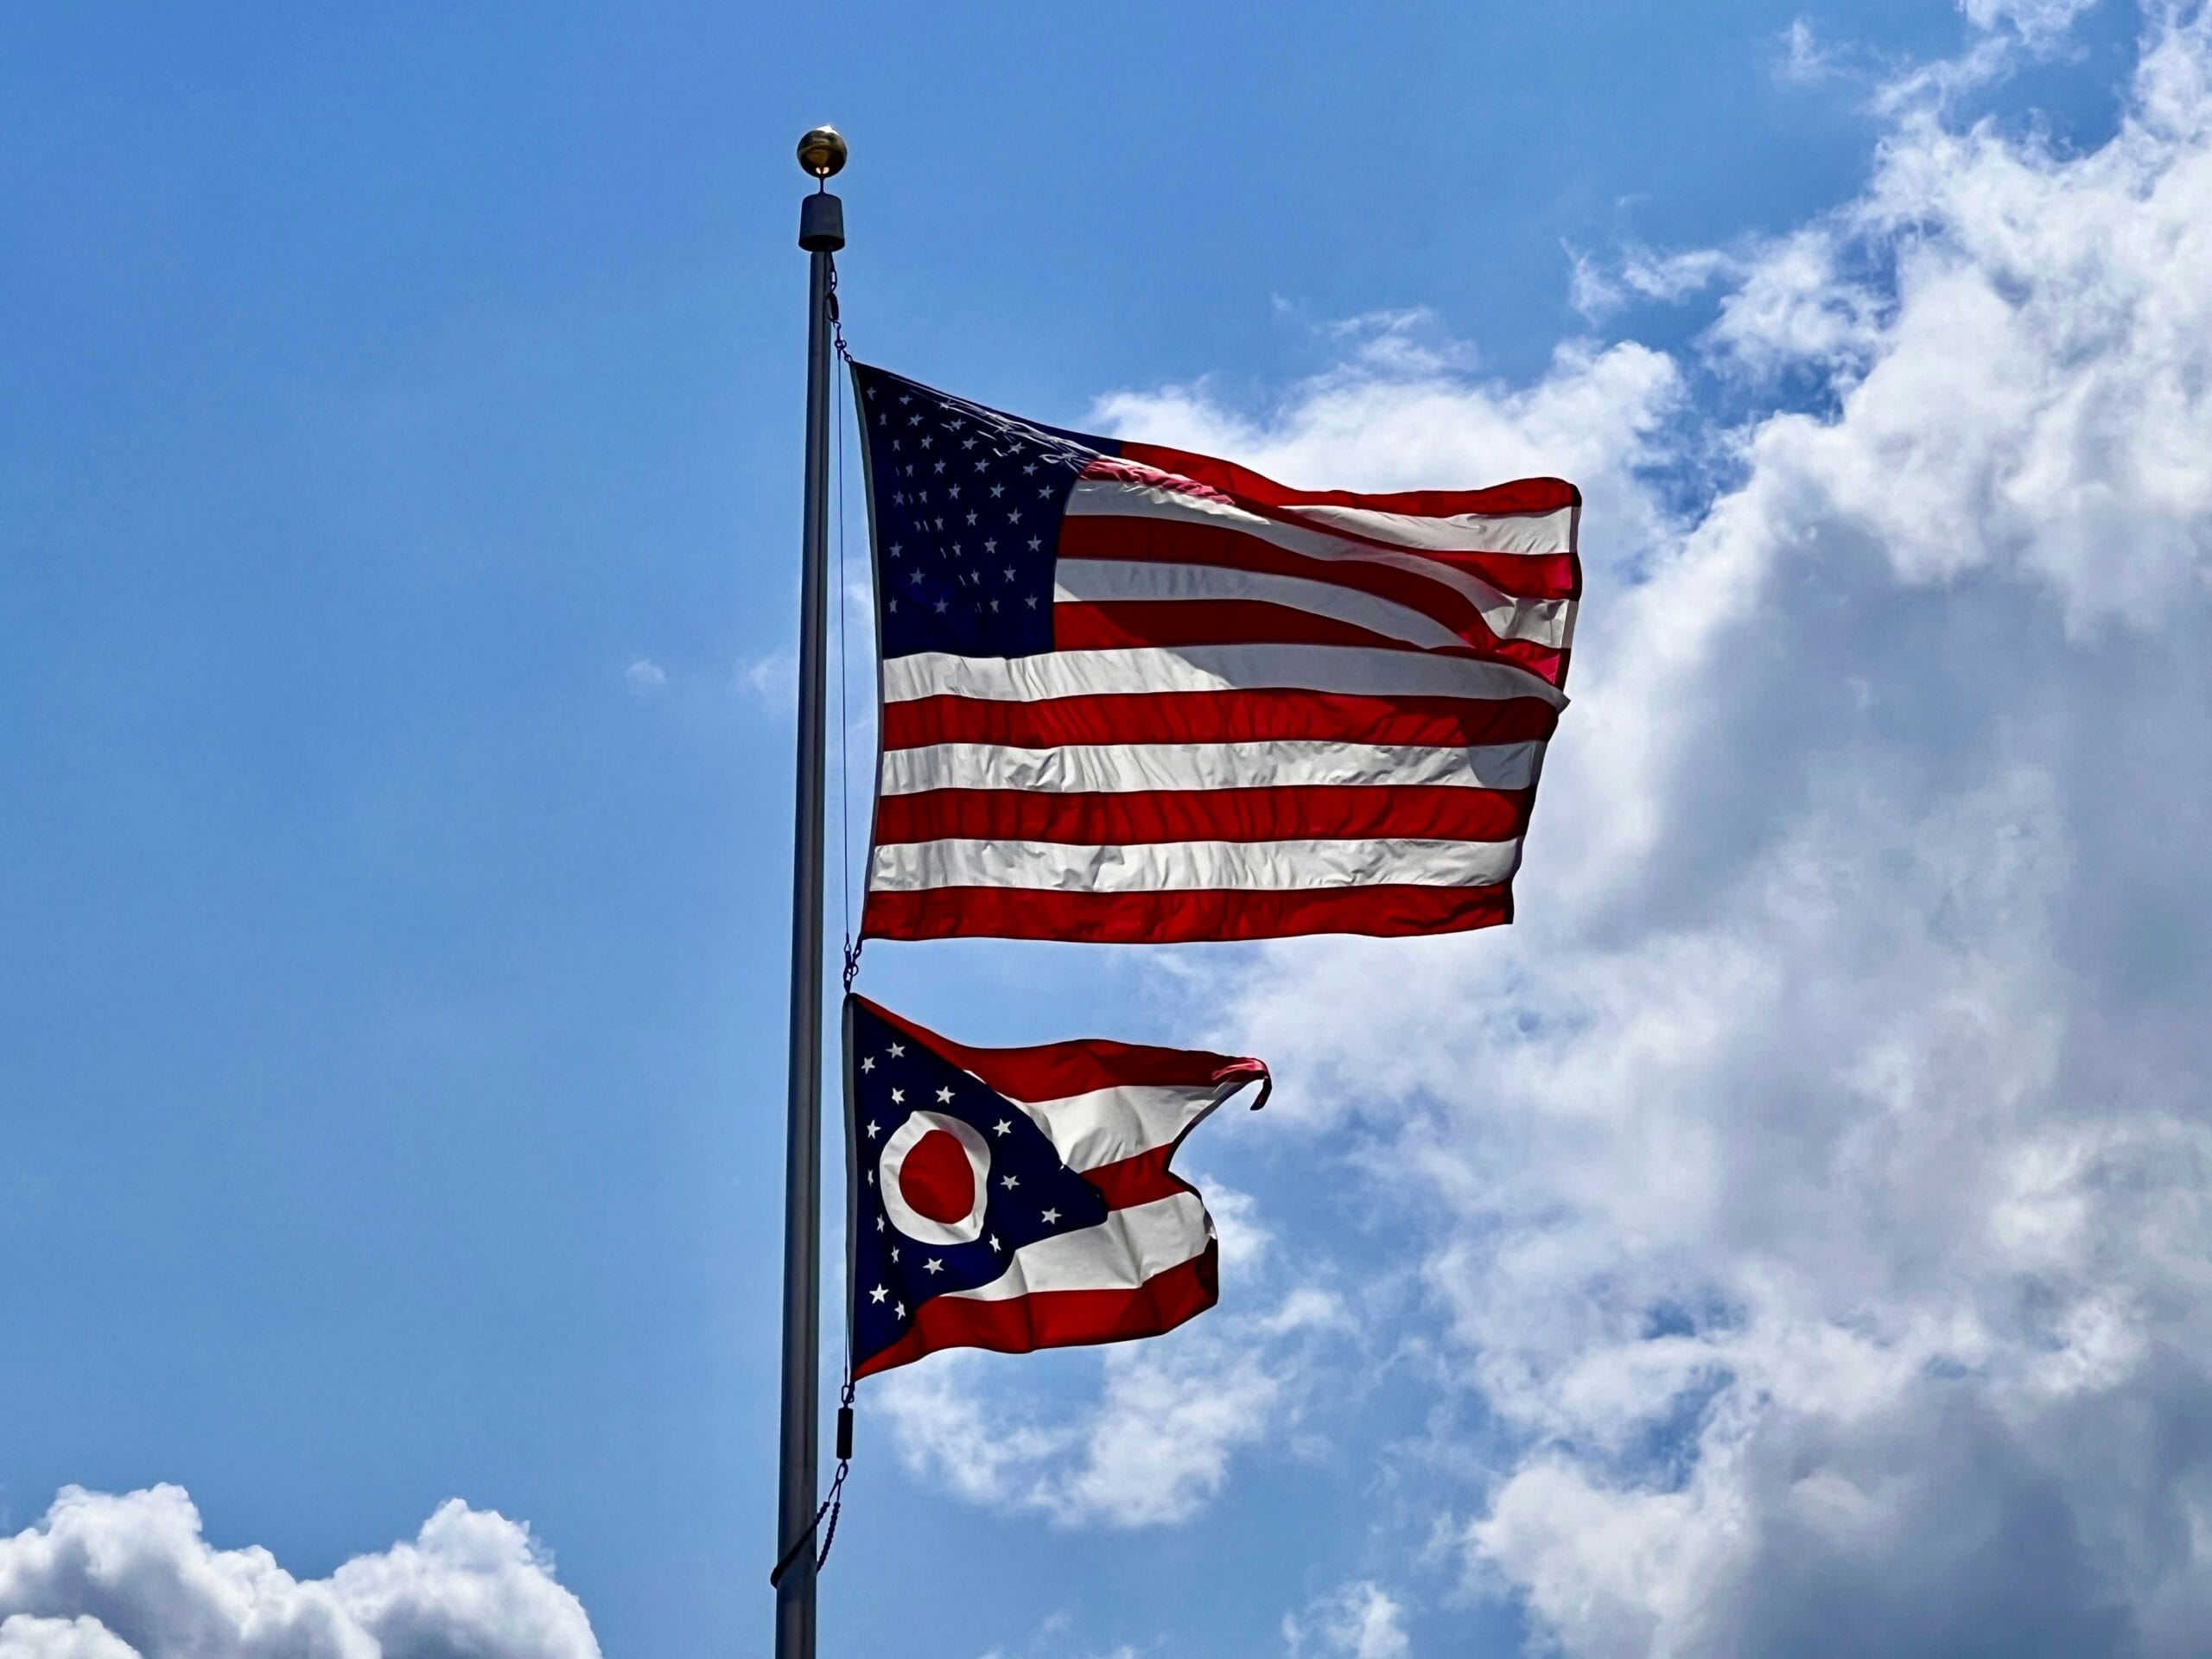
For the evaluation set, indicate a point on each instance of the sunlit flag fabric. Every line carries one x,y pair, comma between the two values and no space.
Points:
1132,694
1016,1199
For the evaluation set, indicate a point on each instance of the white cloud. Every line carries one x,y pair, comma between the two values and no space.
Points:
1052,1639
1812,1182
773,678
25,1636
1154,1442
2008,33
1805,57
1153,1445
2037,22
1360,1621
644,677
109,1576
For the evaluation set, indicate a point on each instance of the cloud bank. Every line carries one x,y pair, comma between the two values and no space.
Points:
131,1577
1829,1215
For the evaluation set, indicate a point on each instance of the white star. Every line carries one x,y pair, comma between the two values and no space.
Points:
1036,542
1002,1127
878,1294
990,545
1014,517
879,1224
944,1094
873,1131
997,490
895,549
898,1096
1009,1183
1031,602
871,394
933,1266
1030,468
898,1310
1051,1216
940,606
897,1051
895,1252
905,398
954,492
926,440
971,516
968,443
1009,573
867,1062
994,1242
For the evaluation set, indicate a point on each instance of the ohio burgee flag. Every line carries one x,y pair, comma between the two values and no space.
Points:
1016,1199
1132,694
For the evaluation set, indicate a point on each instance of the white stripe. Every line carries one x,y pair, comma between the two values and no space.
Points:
1120,768
1105,580
1191,866
1120,1253
1354,670
1545,622
1107,1125
1464,533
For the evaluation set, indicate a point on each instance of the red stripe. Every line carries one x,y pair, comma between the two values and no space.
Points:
1300,812
1180,917
1145,624
1526,495
1538,575
1055,1070
1217,717
1141,1179
1057,1318
1139,540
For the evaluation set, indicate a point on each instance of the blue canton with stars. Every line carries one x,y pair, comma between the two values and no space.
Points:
891,1074
966,505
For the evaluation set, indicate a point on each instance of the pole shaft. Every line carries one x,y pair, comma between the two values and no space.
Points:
798,1461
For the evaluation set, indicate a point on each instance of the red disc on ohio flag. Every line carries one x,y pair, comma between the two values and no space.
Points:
935,1179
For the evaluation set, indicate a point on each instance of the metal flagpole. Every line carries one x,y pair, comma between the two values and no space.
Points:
821,232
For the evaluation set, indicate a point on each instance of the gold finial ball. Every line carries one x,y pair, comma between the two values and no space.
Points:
822,152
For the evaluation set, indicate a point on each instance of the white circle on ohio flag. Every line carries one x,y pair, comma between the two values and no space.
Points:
910,1211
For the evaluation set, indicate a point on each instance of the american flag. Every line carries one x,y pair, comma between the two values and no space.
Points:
1017,1199
1132,694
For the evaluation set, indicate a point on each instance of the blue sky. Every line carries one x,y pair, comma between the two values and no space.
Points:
398,500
